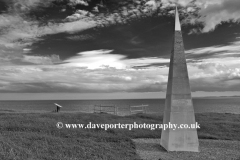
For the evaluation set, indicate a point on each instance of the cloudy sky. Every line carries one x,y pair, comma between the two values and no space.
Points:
74,49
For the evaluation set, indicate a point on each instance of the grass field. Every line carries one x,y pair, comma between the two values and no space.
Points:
34,136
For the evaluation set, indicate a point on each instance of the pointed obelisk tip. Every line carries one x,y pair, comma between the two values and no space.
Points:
177,21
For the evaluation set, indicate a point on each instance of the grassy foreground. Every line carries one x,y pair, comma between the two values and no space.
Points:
34,136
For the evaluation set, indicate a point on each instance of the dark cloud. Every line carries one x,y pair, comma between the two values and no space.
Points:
136,39
222,35
150,37
3,7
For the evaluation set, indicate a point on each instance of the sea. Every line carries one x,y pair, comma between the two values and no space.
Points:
216,105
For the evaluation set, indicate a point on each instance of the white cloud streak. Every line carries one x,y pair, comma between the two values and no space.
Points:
220,50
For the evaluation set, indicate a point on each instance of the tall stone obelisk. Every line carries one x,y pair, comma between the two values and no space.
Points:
178,103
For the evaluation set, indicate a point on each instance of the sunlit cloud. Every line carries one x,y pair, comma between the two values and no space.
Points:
95,59
103,58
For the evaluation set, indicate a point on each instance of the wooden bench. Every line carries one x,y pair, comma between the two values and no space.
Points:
106,109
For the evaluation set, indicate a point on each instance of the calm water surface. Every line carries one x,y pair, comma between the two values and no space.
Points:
218,105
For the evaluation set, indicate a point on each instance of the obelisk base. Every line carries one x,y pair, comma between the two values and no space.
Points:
180,139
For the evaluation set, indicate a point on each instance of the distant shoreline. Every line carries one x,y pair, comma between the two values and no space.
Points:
207,97
201,105
82,112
